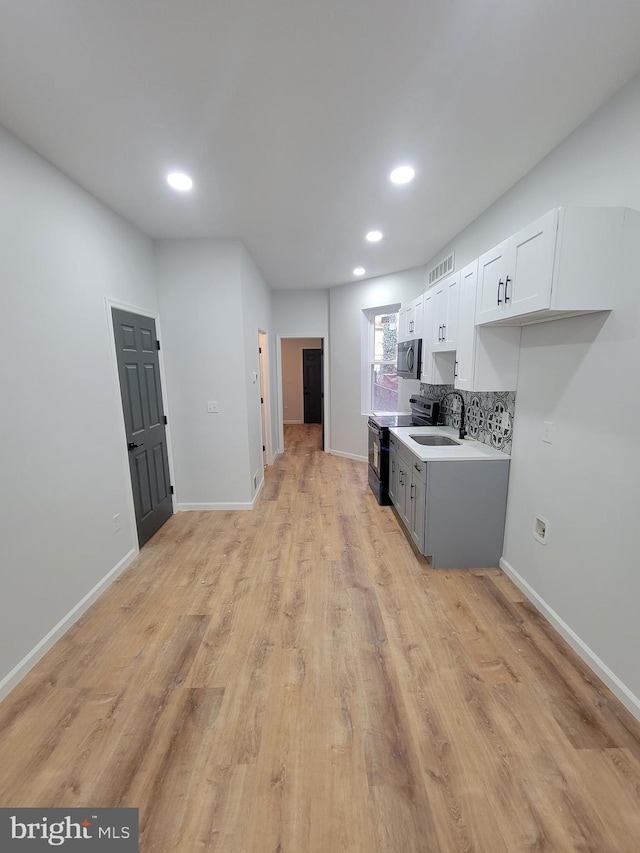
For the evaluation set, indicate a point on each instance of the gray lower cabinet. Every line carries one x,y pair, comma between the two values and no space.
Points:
418,501
454,511
407,489
393,468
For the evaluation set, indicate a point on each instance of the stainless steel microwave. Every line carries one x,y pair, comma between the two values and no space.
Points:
409,364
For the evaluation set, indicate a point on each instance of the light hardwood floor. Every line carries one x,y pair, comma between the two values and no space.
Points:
296,680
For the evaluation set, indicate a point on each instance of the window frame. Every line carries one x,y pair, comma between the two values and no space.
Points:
372,361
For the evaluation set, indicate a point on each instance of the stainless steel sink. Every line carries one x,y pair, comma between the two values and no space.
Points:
434,440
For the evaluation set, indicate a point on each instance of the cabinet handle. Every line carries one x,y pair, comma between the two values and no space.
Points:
500,284
411,492
506,284
455,369
444,331
417,467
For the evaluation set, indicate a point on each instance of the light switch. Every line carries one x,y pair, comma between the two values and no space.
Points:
213,407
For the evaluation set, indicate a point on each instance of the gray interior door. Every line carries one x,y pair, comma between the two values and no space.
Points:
138,369
312,385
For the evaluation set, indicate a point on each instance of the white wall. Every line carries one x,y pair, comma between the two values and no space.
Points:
581,374
62,451
301,313
199,285
292,385
346,304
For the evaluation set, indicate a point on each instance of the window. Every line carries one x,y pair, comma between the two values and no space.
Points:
382,360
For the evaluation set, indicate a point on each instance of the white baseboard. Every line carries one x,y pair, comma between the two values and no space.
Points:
40,649
218,507
348,455
258,490
214,507
628,699
292,422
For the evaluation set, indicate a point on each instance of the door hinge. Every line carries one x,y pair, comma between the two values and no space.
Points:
157,344
165,420
171,490
261,399
263,448
259,349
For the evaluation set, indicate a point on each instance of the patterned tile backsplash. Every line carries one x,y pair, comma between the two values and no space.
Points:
489,414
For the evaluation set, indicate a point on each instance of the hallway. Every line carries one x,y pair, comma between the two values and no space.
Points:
294,679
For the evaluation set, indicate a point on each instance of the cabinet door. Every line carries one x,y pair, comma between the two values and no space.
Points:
418,512
440,307
417,317
403,333
465,347
393,474
492,275
403,492
428,322
531,256
410,321
445,296
450,331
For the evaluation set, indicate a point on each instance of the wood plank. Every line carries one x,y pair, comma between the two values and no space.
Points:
297,678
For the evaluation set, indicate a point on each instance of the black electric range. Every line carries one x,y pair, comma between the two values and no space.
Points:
424,412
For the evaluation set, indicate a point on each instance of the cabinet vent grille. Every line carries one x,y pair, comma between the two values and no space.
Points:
441,269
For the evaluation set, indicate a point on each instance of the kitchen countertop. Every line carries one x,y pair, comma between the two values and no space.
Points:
466,450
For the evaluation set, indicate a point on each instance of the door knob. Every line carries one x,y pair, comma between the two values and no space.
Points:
132,445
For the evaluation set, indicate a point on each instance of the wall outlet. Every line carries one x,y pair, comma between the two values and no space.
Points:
541,529
547,429
213,407
116,523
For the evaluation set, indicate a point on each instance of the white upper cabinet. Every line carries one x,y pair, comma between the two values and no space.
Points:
445,295
466,327
410,320
486,357
403,335
415,317
558,266
437,368
492,273
531,253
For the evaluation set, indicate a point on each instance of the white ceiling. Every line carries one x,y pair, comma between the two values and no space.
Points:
289,114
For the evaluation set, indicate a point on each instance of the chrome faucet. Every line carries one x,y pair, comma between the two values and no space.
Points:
462,432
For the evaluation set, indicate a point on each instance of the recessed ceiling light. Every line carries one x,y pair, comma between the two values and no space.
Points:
374,236
180,181
359,271
402,175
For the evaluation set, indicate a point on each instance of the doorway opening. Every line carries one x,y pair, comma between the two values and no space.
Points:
302,382
265,405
